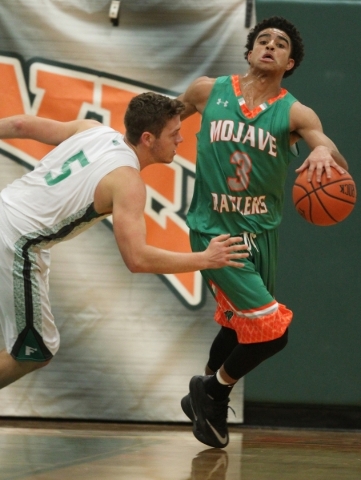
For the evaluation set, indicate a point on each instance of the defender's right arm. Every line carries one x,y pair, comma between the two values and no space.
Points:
129,195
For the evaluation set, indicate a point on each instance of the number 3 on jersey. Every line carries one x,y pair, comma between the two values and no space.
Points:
66,168
244,166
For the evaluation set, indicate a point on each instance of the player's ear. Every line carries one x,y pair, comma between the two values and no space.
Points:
147,139
290,64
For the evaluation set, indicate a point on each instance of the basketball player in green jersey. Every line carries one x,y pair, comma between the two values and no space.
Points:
249,123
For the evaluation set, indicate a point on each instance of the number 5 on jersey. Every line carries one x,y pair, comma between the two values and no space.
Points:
66,168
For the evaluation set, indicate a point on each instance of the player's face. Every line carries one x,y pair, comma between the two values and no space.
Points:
271,51
164,148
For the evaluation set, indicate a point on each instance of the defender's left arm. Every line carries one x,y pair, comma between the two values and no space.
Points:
324,153
45,130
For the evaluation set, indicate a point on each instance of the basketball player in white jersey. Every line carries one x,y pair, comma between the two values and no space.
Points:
93,172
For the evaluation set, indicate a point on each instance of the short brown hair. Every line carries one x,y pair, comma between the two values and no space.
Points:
149,112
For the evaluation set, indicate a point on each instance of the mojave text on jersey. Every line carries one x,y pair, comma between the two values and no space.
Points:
230,131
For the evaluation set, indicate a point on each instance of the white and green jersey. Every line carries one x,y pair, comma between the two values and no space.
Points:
54,202
51,204
242,161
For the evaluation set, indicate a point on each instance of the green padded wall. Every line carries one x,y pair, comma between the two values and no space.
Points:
319,267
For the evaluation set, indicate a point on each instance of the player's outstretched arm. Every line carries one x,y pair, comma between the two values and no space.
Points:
324,153
44,130
129,196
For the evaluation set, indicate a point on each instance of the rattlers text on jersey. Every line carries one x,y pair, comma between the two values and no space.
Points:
242,161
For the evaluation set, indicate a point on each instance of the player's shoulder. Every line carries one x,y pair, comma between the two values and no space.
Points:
302,116
223,79
196,95
87,124
201,84
209,82
298,109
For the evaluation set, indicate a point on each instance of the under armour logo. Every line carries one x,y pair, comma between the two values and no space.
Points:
229,315
219,101
29,350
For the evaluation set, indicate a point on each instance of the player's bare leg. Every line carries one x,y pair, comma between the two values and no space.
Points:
11,369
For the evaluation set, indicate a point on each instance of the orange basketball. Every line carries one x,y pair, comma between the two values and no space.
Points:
325,203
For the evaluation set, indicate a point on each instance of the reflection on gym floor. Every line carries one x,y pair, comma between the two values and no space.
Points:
52,450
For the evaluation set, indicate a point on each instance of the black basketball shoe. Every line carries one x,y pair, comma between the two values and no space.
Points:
208,416
187,407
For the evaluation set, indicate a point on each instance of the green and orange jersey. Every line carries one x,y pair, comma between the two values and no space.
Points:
242,161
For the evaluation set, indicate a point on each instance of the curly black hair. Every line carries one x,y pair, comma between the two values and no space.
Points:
149,112
297,48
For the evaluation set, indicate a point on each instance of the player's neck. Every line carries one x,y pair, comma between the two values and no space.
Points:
257,89
130,145
142,154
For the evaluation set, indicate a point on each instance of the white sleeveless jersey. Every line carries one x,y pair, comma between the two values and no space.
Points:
54,202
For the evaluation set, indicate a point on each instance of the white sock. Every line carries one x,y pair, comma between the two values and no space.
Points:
220,379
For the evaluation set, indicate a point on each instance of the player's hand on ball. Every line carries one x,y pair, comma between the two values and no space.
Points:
320,160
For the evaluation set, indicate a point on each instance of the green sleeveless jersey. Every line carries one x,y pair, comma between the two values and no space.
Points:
242,161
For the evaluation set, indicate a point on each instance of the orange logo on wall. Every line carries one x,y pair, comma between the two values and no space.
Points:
64,93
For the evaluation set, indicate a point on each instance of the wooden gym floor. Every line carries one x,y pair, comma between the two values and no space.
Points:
49,450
